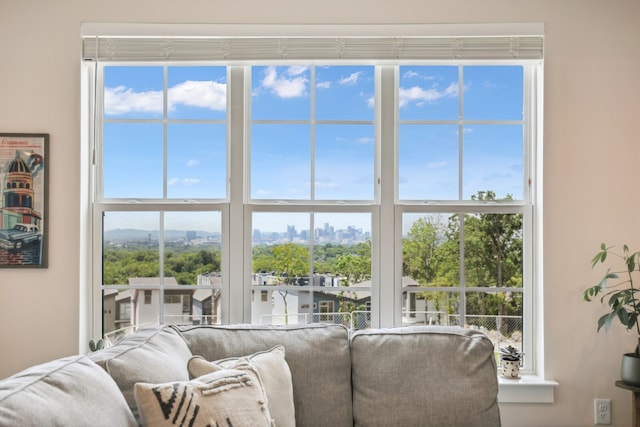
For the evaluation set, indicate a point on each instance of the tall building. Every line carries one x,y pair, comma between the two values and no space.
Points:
18,193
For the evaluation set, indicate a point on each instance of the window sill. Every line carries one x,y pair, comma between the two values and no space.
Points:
527,389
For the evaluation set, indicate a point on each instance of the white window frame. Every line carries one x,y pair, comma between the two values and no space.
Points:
385,209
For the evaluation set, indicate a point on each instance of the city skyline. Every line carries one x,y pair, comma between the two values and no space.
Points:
265,235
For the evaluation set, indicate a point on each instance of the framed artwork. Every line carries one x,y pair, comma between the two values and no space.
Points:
24,180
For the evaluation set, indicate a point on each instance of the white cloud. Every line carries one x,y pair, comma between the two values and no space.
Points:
417,94
365,140
489,85
324,85
122,100
371,102
192,163
296,70
410,74
284,87
437,165
183,181
204,94
324,182
351,80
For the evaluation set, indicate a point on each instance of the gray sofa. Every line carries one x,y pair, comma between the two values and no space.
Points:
404,376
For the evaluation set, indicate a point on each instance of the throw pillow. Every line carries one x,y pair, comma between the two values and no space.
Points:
230,397
274,373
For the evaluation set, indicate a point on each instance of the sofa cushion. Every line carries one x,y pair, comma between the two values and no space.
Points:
426,376
318,357
228,397
154,354
64,392
274,373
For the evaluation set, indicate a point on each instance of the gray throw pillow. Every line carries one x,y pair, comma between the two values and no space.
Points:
64,392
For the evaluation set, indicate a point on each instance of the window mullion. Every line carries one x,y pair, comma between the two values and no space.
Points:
389,286
237,284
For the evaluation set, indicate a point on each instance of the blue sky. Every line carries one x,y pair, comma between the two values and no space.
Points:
333,107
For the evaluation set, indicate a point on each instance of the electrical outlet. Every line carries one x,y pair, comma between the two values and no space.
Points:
602,411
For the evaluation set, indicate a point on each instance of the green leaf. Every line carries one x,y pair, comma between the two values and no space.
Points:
611,275
605,321
623,316
631,263
591,292
633,318
600,257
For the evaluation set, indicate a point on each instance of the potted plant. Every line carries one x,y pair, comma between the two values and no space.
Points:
510,358
96,345
622,300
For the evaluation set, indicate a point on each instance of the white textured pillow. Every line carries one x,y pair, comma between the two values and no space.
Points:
229,397
274,373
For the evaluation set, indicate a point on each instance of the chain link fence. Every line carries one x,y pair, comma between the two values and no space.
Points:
503,331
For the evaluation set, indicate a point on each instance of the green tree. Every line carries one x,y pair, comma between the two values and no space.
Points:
418,250
262,259
185,264
493,257
355,267
290,260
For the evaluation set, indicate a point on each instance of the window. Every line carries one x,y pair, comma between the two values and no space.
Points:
383,184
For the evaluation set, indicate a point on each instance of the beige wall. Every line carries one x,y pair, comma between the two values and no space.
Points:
591,171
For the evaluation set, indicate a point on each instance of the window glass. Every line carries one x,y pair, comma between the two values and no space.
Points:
429,307
190,243
280,92
428,158
132,161
429,92
345,93
196,161
493,92
192,144
280,161
337,253
133,92
312,142
344,168
493,160
197,92
311,184
460,135
130,246
491,256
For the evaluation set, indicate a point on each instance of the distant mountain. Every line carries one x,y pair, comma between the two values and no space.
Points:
130,234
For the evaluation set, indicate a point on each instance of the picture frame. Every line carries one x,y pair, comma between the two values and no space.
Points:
24,193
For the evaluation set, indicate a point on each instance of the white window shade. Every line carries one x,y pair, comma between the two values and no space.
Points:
228,43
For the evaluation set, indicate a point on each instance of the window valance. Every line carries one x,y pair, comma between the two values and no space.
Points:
316,43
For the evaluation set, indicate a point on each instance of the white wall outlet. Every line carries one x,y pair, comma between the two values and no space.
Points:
602,411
